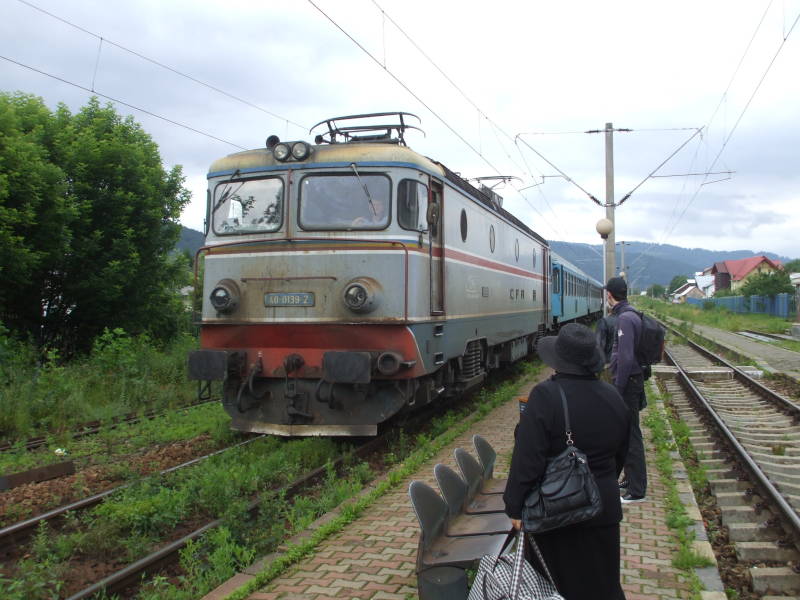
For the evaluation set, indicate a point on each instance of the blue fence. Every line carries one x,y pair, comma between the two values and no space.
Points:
781,305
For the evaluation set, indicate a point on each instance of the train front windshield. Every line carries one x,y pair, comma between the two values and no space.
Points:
250,206
345,201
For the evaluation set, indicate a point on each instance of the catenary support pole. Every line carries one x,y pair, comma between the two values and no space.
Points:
610,254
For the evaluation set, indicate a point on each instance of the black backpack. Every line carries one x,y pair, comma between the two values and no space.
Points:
650,349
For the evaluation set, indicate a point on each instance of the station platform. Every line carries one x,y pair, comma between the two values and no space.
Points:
373,557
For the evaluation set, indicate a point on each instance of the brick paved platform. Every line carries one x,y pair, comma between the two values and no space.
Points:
373,557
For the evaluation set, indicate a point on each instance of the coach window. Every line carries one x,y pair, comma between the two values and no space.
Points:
556,281
348,202
248,206
412,204
491,238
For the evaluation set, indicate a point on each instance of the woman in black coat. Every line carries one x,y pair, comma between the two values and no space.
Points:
584,558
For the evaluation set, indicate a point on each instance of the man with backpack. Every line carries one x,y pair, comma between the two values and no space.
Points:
628,377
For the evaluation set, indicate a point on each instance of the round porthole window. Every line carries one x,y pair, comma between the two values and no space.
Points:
463,225
516,250
491,238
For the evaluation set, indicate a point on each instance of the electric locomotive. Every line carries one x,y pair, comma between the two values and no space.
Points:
353,278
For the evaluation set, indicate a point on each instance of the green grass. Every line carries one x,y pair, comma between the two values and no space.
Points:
716,317
107,446
132,521
41,395
666,441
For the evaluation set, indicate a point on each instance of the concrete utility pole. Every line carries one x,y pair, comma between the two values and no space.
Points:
610,253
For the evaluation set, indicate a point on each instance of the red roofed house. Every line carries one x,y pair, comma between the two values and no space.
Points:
732,274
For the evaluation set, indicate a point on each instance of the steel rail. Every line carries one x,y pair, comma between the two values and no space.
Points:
788,513
17,533
790,407
131,574
91,429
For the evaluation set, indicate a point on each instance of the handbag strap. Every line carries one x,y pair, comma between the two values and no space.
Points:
570,441
519,561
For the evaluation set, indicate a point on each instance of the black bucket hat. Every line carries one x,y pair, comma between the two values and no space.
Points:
574,351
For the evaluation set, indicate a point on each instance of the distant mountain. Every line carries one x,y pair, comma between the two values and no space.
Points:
646,263
190,240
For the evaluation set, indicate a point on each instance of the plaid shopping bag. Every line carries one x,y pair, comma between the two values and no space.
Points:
507,577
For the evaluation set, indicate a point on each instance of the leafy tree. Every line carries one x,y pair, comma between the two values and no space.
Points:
722,293
656,291
676,282
767,284
793,266
88,218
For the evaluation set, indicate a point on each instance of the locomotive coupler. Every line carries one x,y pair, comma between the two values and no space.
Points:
256,368
296,402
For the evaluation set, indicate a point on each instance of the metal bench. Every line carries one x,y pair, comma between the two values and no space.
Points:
442,558
472,472
454,491
487,457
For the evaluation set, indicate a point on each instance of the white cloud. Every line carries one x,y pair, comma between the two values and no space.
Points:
536,66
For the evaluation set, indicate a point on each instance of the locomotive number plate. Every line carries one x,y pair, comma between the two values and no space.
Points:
289,299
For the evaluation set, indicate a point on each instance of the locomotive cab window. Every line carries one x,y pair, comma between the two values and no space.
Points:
353,201
412,205
248,206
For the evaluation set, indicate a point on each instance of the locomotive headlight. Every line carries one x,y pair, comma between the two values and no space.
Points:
225,296
356,296
362,295
281,151
300,150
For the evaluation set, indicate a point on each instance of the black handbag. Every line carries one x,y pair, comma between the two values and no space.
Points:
567,494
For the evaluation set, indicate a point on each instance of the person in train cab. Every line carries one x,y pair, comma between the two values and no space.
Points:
628,378
583,558
374,215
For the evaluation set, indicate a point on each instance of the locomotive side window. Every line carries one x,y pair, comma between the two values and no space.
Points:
463,225
491,238
412,205
359,201
248,206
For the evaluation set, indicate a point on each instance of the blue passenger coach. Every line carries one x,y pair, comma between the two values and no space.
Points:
574,296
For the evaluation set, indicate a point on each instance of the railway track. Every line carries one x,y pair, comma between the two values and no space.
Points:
95,427
19,533
748,441
165,558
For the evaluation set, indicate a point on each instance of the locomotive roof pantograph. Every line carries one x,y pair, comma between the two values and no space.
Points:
342,127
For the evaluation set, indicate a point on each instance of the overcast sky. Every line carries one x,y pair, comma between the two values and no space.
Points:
477,78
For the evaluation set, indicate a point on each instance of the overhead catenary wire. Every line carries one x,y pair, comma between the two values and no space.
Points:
105,40
709,171
670,228
419,99
123,103
403,85
740,117
481,113
564,175
649,175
